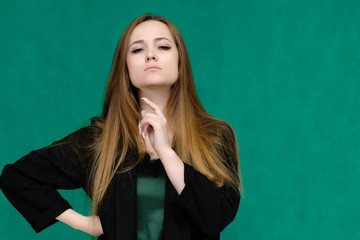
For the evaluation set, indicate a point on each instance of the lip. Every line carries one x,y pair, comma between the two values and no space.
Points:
152,68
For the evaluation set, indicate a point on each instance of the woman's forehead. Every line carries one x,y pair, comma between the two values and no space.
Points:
150,30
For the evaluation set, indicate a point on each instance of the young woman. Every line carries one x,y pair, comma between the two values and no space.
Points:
155,164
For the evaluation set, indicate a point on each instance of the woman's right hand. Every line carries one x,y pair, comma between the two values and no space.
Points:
89,224
92,226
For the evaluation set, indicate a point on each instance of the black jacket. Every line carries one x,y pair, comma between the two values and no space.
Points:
201,211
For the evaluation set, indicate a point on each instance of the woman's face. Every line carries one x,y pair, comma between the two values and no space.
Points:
152,56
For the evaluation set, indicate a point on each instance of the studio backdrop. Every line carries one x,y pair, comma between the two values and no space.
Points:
284,74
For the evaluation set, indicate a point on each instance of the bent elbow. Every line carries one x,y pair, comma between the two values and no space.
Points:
212,232
6,177
214,226
3,178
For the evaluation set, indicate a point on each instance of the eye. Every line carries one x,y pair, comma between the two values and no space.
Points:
136,50
164,47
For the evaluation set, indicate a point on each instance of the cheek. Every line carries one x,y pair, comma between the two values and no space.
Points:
133,71
130,62
175,71
175,67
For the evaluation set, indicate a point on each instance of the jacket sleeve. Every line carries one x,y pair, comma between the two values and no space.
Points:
211,208
31,183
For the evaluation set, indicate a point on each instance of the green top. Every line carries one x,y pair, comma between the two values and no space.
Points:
150,199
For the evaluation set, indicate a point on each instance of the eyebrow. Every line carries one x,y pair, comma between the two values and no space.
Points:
155,39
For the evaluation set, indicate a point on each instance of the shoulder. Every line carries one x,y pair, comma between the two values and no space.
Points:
224,139
221,129
221,138
84,135
78,144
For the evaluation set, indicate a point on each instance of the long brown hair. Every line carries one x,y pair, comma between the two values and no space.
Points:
200,140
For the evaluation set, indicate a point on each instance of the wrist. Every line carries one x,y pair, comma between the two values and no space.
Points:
73,219
82,223
166,153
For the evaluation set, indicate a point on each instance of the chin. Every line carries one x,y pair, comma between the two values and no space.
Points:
155,83
156,86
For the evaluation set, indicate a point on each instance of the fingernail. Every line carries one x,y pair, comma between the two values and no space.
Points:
139,125
143,112
143,135
144,98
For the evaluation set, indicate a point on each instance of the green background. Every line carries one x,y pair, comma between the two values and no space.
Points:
284,74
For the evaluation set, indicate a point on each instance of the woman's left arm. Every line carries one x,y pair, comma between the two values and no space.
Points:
174,168
211,208
154,125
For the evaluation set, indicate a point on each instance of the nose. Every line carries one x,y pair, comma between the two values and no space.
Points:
150,56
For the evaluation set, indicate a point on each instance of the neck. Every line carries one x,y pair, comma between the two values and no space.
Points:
159,96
